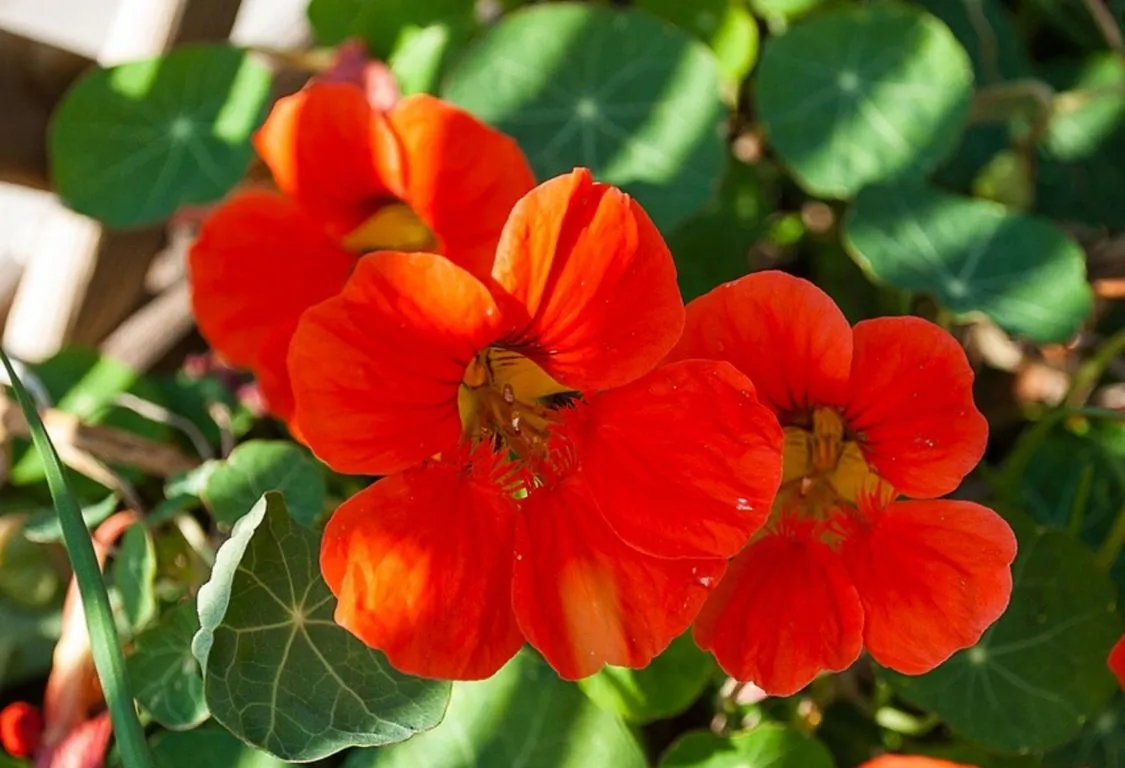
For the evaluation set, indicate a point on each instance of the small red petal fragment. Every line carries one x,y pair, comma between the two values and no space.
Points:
21,727
1117,661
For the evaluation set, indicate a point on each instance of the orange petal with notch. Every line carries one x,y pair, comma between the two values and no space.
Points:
785,611
584,598
911,401
932,576
258,264
596,280
786,334
376,370
422,565
460,177
684,462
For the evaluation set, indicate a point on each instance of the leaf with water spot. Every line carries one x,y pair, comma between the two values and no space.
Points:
1039,674
278,672
620,92
860,95
521,716
975,256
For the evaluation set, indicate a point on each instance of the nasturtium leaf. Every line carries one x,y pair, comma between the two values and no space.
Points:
1081,168
975,256
863,94
44,527
131,144
988,34
521,716
167,679
617,91
423,56
713,246
664,688
210,746
1101,743
278,672
258,466
1039,674
134,575
767,746
725,25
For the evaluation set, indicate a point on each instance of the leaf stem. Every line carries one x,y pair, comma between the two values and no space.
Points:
105,647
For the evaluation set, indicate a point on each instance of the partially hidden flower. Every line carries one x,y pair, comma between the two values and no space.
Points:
545,480
870,413
351,179
1117,661
912,761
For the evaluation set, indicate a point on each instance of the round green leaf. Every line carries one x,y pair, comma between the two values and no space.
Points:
864,94
664,688
619,92
134,575
975,256
278,672
767,746
725,25
1101,743
1039,674
521,716
131,144
208,746
257,466
166,675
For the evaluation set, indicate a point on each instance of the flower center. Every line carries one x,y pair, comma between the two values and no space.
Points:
508,400
393,227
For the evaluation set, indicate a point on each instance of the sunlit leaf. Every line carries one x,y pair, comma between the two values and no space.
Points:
169,684
132,143
277,670
620,92
975,256
1039,674
664,688
767,746
44,527
232,487
524,715
725,25
210,746
863,94
134,575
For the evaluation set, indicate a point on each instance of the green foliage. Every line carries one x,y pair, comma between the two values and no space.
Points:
862,95
313,688
641,110
1039,674
726,25
764,747
169,683
208,746
523,715
976,257
134,575
132,143
231,487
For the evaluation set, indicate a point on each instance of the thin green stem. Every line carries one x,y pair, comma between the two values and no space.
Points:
1090,372
1114,542
104,644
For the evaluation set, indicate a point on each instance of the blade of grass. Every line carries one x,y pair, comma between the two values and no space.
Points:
104,644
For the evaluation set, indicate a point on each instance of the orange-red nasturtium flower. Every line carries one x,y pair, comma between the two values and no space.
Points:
545,480
1117,661
351,179
911,761
870,413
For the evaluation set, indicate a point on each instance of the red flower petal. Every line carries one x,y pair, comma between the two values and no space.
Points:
584,598
460,176
21,728
597,281
932,576
321,145
786,334
422,565
258,264
911,398
911,761
785,611
684,462
376,369
1117,661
